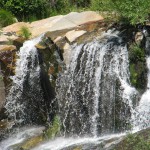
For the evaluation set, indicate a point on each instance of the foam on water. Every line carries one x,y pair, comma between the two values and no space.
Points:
62,143
20,136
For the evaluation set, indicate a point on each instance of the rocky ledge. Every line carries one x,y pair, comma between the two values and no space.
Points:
60,32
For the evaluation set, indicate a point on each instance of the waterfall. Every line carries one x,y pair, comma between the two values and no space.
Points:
142,111
25,92
94,93
141,119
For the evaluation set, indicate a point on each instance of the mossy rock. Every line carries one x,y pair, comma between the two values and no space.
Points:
54,129
138,69
137,141
32,142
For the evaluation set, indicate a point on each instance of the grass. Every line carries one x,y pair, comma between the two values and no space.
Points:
25,32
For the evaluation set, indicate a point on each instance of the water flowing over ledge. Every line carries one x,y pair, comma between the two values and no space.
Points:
25,82
94,94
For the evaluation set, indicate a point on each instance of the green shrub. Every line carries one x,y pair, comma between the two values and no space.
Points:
137,66
136,53
6,18
25,32
135,11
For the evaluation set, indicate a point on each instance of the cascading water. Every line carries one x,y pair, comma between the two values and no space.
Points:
94,94
141,118
25,94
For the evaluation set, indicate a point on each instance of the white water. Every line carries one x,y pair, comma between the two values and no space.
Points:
20,136
27,51
142,111
83,77
117,68
62,143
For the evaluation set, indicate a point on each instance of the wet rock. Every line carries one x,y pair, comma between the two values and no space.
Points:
2,92
32,142
67,53
7,59
138,37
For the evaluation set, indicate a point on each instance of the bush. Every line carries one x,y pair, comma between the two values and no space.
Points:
28,10
6,18
135,11
25,32
23,9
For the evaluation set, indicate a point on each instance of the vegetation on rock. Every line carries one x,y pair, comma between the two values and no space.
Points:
25,32
140,141
137,67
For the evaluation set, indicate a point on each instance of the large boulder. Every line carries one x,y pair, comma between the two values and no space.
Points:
62,22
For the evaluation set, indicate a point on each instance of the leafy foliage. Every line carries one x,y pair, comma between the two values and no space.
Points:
6,18
24,8
29,10
135,11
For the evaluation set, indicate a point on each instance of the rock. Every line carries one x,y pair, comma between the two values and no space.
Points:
57,39
30,143
138,37
15,27
63,24
2,91
83,17
40,46
4,39
67,53
57,23
42,26
5,124
18,42
7,59
7,48
73,35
